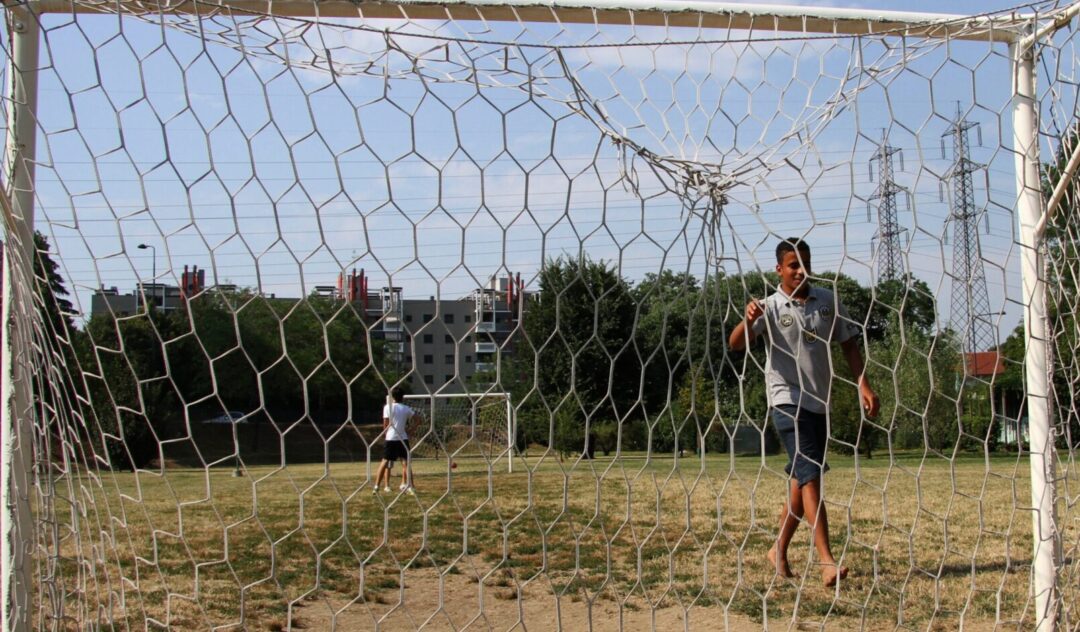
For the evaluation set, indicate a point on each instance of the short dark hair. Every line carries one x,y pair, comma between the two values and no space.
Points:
398,394
791,244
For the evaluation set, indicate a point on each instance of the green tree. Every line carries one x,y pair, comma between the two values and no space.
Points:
906,304
227,351
897,319
707,411
50,289
671,339
134,404
57,388
1013,351
1063,300
663,332
289,357
575,366
916,376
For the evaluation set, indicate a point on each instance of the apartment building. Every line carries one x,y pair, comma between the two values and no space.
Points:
446,345
161,295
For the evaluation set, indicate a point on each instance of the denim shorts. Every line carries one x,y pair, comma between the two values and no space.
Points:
804,434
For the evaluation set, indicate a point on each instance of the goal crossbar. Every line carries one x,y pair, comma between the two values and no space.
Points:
665,13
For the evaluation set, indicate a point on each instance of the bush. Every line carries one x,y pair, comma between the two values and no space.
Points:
605,437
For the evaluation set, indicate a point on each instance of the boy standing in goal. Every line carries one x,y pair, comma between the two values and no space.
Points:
396,416
799,322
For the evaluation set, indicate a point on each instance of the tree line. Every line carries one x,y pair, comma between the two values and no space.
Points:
628,366
130,383
645,366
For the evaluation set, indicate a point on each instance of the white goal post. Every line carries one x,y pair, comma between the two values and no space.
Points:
463,425
655,124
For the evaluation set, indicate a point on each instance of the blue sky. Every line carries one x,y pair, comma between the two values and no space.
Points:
280,178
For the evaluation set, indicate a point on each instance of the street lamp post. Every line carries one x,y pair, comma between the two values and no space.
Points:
153,251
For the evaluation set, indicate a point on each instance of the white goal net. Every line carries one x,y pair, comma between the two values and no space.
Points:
233,228
457,426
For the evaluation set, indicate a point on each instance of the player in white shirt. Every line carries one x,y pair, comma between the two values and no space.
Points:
396,417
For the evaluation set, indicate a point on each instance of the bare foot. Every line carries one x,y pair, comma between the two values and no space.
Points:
780,566
831,572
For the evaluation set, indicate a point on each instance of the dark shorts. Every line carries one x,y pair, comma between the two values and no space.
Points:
804,435
395,450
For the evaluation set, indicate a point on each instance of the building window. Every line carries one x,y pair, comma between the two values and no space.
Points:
448,319
428,359
408,318
427,318
429,379
408,358
449,358
468,359
468,318
449,378
428,339
448,339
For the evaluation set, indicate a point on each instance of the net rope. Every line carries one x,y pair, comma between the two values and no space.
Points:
207,367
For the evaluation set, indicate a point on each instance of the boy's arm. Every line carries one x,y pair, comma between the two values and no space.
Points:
743,335
870,402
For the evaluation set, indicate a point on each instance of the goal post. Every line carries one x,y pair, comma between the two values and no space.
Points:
17,523
651,152
464,425
1031,208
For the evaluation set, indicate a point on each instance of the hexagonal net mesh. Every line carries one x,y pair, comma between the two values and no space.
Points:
249,228
455,426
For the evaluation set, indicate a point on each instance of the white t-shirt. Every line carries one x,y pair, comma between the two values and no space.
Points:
398,415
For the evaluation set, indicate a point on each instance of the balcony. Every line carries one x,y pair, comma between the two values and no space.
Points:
486,347
485,327
394,335
484,367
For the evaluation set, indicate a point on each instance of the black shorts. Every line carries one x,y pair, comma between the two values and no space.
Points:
394,450
804,434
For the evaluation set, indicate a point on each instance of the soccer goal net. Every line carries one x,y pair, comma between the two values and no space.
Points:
461,426
233,228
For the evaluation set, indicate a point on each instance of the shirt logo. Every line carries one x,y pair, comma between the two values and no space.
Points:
809,335
826,311
786,320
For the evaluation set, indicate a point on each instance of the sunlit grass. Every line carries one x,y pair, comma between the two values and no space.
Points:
930,541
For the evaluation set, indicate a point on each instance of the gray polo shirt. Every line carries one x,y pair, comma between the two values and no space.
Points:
798,368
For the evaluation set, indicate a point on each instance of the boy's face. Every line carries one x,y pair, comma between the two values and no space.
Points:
794,271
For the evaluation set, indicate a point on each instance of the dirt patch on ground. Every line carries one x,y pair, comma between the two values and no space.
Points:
457,602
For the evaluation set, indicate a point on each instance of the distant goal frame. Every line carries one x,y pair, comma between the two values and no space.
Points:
511,423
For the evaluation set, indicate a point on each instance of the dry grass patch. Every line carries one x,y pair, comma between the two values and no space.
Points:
931,542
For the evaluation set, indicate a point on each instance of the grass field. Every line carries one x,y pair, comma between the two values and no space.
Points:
932,543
